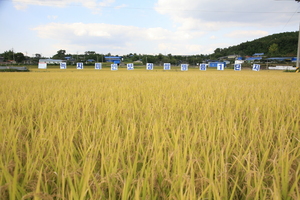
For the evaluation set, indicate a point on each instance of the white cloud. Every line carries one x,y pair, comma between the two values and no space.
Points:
22,5
82,36
194,48
214,14
158,34
120,33
121,6
180,48
79,31
177,26
106,2
94,5
95,35
52,17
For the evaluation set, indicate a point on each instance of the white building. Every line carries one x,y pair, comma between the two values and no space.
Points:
51,61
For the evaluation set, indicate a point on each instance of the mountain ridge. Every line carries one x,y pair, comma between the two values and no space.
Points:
279,44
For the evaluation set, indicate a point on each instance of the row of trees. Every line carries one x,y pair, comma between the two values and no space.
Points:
17,57
160,58
131,57
88,55
92,56
12,56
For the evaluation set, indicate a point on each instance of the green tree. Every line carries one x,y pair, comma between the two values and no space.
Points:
160,58
273,49
149,59
89,52
19,57
8,55
60,54
166,59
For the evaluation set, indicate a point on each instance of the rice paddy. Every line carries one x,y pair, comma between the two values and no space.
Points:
87,134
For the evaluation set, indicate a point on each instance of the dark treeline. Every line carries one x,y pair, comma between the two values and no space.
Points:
91,56
281,44
160,59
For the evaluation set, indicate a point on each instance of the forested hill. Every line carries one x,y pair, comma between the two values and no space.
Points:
281,44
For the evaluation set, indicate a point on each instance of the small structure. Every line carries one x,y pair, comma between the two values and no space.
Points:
138,62
251,59
51,61
68,58
280,59
294,59
258,54
113,59
283,68
237,61
90,60
215,64
233,56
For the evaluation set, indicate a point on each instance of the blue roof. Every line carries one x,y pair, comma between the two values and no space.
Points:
113,57
215,64
294,59
280,58
254,58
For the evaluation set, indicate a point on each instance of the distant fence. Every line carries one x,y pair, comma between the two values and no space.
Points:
13,69
283,68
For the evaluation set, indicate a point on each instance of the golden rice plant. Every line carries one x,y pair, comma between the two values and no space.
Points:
141,134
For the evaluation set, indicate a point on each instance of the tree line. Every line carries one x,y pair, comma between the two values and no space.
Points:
281,44
92,56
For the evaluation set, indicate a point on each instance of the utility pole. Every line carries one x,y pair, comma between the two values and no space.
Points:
298,51
13,54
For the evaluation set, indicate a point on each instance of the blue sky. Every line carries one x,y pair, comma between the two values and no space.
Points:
179,27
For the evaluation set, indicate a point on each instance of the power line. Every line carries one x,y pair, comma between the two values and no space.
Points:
61,3
291,17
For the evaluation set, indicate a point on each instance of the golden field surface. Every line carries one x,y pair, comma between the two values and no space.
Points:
87,134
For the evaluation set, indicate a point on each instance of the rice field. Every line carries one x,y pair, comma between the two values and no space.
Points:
87,134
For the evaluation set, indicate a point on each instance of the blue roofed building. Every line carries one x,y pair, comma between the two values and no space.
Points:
68,57
113,59
90,60
253,58
280,59
215,64
256,56
294,59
